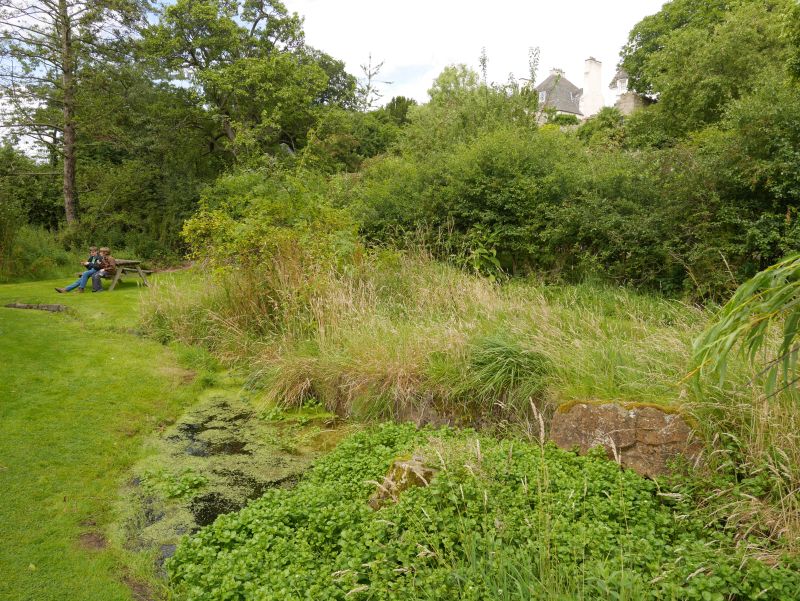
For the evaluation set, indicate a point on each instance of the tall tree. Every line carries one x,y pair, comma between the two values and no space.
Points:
249,60
697,56
44,47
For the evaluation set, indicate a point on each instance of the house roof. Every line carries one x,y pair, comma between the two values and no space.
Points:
562,94
620,74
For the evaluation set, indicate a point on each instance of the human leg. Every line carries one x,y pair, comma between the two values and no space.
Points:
72,286
97,283
85,278
81,281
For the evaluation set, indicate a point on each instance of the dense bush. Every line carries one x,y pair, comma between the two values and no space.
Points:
501,520
35,254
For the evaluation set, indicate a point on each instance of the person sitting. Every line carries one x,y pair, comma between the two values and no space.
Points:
107,267
92,265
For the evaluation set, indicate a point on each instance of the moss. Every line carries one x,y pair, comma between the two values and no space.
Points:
668,408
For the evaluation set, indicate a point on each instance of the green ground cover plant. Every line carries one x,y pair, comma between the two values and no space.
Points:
500,520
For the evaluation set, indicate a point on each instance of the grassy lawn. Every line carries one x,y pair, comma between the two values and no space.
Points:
77,393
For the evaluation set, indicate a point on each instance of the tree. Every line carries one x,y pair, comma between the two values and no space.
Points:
649,36
249,60
793,32
398,108
367,91
697,57
45,46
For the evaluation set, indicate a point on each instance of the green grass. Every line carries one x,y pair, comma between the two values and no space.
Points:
400,336
405,331
77,394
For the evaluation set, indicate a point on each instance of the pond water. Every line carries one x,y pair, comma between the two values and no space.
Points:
217,457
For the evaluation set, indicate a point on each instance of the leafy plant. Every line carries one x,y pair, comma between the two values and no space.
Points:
769,299
174,486
499,520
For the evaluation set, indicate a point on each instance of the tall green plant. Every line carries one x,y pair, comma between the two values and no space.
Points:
768,300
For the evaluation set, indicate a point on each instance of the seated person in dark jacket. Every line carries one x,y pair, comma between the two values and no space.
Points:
108,266
92,265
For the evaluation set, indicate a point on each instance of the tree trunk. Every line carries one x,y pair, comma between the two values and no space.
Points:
230,133
68,83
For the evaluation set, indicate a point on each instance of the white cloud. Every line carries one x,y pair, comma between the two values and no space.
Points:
416,39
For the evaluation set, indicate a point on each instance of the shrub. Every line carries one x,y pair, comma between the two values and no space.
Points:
35,254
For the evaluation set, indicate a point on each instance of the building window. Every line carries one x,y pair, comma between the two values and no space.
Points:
542,96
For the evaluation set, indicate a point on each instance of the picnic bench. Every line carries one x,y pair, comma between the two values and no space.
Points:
127,266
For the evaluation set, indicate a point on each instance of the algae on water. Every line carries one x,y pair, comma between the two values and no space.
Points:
213,460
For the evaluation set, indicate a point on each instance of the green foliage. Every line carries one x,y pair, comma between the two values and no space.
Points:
248,218
398,108
698,56
341,140
462,108
251,64
174,486
771,297
793,32
36,254
500,520
603,129
25,192
562,120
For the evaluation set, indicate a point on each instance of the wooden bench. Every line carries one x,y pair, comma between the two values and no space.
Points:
127,266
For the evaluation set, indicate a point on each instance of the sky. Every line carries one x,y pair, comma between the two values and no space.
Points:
416,39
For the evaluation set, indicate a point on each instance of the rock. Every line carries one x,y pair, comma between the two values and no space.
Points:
421,414
51,308
643,439
404,473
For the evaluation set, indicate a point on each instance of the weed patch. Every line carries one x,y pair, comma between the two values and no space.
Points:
500,520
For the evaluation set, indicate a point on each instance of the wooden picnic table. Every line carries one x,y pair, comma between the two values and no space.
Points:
128,266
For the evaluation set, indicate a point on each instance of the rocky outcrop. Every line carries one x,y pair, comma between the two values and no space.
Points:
641,438
404,473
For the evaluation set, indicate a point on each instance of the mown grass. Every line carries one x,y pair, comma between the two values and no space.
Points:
77,394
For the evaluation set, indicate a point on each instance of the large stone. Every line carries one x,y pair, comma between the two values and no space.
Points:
404,473
641,438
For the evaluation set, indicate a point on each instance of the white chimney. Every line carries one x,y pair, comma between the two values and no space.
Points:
592,100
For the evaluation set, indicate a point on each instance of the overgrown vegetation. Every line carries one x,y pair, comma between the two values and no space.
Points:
463,259
402,336
688,197
389,333
500,520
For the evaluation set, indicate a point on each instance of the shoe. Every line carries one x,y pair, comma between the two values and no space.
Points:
79,289
101,290
61,290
